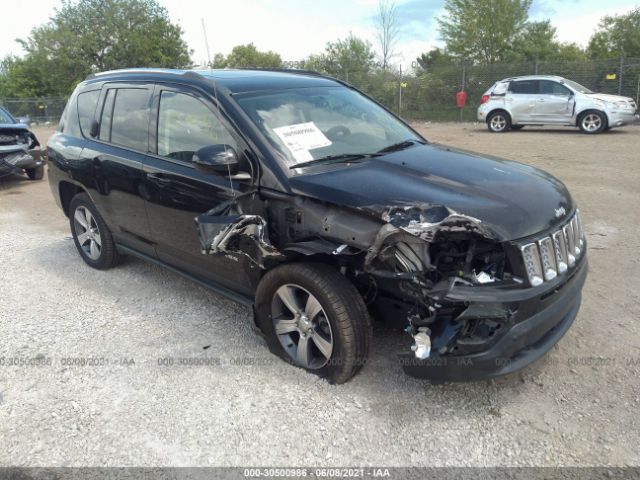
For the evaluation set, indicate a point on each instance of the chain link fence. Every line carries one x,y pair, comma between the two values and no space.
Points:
431,94
35,110
426,94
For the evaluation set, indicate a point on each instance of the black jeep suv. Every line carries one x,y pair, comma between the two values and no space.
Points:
298,195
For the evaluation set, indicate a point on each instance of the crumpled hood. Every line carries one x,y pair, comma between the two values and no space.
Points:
609,98
512,200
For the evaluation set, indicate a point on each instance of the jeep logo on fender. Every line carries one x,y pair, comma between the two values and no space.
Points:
560,212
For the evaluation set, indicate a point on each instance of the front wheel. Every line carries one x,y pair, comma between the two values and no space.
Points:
593,122
313,317
498,122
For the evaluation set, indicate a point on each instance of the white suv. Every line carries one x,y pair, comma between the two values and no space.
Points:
512,103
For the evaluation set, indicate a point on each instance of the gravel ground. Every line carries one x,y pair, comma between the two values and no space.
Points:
241,406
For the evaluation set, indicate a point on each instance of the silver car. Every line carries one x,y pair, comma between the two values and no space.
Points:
512,103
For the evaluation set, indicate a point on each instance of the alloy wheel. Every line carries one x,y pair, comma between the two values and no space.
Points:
87,232
498,123
591,122
302,326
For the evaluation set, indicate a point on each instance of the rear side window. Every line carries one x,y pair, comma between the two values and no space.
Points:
126,123
87,102
524,87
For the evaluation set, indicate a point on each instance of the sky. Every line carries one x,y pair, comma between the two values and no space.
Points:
297,28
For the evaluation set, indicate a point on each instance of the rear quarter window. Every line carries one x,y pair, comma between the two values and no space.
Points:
87,102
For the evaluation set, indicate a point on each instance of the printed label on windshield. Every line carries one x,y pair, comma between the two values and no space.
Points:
302,137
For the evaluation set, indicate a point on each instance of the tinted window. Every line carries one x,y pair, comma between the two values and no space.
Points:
105,119
130,122
87,102
548,87
185,125
5,117
524,87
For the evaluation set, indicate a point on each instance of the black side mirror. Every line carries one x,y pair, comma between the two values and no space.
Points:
94,129
217,159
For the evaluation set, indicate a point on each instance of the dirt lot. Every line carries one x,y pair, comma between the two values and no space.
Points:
578,406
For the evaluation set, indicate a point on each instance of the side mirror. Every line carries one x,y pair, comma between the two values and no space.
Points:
217,159
94,129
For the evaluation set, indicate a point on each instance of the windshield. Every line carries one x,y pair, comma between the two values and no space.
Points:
307,124
5,117
577,87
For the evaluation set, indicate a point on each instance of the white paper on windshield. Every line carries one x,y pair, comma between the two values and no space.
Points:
302,137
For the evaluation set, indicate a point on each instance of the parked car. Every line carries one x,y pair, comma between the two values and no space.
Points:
19,152
320,209
512,103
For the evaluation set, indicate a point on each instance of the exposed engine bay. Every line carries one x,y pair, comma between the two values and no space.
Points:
405,261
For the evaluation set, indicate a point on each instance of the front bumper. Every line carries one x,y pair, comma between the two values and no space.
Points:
551,313
18,160
618,118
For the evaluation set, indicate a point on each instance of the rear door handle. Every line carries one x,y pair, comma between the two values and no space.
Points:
541,99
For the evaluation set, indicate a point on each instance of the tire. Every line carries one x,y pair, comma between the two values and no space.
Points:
517,127
498,122
36,173
97,248
339,318
592,121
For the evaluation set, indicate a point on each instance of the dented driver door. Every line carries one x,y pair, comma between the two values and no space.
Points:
183,121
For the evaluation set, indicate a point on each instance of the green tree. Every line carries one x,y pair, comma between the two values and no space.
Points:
482,31
86,36
436,57
537,41
344,58
618,35
248,56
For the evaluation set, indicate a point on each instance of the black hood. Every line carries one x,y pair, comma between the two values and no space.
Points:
511,199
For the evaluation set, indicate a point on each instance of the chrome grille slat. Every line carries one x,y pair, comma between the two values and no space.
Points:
553,255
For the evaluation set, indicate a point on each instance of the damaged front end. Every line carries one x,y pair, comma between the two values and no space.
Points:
18,151
447,279
467,295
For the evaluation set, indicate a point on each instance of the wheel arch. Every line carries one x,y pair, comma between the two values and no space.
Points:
591,109
499,109
67,191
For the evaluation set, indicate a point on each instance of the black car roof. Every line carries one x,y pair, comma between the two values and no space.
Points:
236,81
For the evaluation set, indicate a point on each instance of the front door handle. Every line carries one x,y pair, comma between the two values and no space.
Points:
541,100
158,178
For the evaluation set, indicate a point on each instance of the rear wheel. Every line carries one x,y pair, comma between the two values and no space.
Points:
498,122
313,317
36,173
91,234
592,122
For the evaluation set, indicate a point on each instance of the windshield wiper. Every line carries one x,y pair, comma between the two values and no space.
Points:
400,146
343,157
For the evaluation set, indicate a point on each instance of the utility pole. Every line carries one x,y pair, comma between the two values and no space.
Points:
206,42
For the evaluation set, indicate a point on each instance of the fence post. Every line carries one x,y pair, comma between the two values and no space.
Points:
535,68
464,72
620,75
400,93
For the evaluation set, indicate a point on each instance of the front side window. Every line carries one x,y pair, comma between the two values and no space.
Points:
524,87
185,125
549,87
305,124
